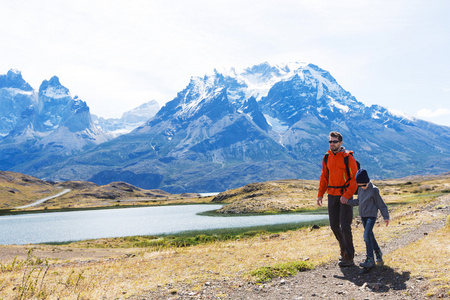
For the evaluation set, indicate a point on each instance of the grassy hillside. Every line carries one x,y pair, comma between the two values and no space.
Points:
300,195
17,189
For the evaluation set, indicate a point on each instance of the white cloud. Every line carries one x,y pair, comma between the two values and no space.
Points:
428,113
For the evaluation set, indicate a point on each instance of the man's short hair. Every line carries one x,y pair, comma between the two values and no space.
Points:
337,135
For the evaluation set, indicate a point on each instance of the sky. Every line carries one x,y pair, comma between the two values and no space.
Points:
119,54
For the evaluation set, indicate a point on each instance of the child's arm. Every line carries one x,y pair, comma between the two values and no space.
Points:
381,206
353,202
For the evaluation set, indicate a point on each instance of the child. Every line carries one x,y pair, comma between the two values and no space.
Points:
369,201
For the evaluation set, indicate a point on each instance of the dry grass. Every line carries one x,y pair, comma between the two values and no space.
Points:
429,257
270,197
145,269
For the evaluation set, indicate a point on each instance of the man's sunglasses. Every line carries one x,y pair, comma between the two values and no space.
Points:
363,185
333,142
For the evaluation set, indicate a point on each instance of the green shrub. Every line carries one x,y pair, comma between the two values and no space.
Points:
281,270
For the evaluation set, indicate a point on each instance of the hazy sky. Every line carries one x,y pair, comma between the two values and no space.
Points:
116,55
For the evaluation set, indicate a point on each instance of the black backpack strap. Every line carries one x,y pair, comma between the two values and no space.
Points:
347,168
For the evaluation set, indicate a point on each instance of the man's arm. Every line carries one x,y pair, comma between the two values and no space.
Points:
323,185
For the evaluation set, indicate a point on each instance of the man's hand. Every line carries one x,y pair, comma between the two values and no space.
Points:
344,200
319,201
387,222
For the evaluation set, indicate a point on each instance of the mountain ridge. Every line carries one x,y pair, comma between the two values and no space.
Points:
225,130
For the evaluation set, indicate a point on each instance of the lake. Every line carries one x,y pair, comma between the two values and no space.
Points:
93,224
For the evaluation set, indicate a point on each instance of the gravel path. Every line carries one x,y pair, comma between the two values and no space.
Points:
324,282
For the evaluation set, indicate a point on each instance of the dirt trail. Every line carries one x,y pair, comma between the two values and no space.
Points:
44,199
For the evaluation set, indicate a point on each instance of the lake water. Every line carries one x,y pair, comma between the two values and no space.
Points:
93,224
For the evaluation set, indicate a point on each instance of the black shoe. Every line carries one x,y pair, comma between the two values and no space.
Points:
346,263
369,263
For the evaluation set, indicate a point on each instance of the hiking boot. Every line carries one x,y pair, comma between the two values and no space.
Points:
369,263
346,263
379,257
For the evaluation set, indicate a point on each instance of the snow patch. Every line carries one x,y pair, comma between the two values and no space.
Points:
203,89
257,85
55,93
14,91
48,123
276,124
400,114
339,106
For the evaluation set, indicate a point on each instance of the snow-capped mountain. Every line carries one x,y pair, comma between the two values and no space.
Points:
36,126
227,129
129,121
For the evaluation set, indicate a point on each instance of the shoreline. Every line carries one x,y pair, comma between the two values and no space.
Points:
211,226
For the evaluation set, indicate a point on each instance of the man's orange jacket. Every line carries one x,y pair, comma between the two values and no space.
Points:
334,175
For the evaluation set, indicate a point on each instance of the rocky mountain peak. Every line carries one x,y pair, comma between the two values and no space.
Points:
13,79
53,89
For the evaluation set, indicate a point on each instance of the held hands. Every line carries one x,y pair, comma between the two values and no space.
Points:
319,201
344,200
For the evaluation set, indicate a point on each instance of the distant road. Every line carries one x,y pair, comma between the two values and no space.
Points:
44,199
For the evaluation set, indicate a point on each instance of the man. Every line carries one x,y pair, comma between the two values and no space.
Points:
338,180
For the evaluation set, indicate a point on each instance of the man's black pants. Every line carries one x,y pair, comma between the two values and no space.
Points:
341,216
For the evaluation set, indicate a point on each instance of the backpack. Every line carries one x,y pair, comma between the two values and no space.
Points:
358,165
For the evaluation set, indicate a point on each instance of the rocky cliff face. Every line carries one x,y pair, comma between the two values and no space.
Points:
41,128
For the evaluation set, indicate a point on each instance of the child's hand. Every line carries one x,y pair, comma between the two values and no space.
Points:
387,222
344,200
